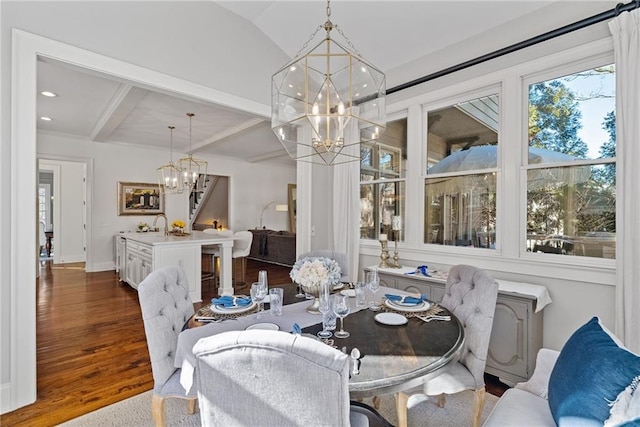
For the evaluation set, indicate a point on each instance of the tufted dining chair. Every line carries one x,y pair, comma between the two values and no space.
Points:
339,257
470,294
166,308
274,378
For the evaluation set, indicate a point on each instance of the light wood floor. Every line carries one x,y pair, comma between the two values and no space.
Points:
91,348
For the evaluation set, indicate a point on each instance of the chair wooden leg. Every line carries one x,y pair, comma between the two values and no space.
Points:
244,268
191,406
376,402
441,400
157,411
478,405
401,408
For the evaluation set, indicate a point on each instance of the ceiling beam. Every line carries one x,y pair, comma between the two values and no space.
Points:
217,138
268,156
120,106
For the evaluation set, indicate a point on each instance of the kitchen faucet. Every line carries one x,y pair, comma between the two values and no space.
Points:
166,227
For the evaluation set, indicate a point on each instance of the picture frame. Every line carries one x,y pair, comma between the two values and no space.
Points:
291,202
139,198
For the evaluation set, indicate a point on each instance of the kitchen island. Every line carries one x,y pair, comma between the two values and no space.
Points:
138,254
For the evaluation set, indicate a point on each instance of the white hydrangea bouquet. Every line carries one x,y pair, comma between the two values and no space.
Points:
311,272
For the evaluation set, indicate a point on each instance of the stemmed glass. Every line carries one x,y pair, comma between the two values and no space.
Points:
324,307
373,283
299,293
258,293
262,278
341,309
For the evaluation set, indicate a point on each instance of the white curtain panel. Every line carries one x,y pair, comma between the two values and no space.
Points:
346,206
626,40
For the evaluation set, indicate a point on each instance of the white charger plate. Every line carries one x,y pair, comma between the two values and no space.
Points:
424,305
218,309
264,326
351,293
337,286
392,319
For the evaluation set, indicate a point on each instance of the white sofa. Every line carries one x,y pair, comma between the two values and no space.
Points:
526,404
593,382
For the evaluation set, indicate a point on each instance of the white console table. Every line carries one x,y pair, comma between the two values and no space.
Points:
516,335
145,252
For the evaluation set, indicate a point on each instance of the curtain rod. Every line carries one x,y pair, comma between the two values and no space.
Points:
521,45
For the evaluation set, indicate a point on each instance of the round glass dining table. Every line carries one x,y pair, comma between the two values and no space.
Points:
392,358
396,358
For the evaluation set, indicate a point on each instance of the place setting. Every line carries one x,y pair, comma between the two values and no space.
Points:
407,306
225,308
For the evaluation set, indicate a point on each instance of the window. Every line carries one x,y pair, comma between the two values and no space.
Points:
462,161
570,170
44,204
382,182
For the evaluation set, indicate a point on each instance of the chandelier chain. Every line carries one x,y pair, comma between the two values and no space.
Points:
171,145
304,46
355,50
190,117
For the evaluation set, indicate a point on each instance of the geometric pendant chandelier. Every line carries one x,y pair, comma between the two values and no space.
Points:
194,171
169,176
327,101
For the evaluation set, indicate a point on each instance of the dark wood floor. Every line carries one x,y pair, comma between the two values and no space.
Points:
91,348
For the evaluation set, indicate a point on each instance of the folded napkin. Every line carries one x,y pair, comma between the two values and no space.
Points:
421,269
231,301
405,299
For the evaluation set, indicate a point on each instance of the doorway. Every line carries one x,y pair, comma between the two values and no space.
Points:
68,208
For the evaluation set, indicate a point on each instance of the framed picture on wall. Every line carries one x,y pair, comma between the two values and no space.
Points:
139,198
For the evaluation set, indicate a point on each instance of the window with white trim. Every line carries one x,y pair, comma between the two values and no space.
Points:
382,183
462,163
570,170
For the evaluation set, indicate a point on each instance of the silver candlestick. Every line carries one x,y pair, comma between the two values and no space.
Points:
384,255
396,236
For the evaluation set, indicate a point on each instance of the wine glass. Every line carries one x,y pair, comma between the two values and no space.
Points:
258,293
373,283
299,293
324,307
262,277
341,309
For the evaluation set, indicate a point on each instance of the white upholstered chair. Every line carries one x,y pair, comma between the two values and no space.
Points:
470,294
274,378
166,308
241,248
339,257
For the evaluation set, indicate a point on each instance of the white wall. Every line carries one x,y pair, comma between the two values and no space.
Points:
252,186
198,41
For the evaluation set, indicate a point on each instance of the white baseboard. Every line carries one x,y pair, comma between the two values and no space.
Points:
100,266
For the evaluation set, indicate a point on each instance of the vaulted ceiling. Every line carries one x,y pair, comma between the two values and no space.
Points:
390,34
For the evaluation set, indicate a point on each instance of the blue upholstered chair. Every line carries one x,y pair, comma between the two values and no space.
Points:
166,307
470,294
274,378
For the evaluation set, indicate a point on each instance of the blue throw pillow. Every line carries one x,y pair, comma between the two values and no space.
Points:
592,370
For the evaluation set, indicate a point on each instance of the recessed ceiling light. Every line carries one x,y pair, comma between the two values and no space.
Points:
46,119
49,94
